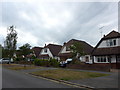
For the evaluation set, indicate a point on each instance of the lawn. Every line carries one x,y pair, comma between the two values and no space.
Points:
68,74
21,67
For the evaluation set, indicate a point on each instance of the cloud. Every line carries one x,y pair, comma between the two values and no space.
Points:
51,22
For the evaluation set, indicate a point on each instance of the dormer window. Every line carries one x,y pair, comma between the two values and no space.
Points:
45,50
111,42
114,42
68,48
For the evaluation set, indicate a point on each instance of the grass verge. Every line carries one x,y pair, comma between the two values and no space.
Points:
61,74
22,68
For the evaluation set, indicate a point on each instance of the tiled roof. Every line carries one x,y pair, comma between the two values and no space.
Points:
37,50
112,34
86,47
44,55
65,54
55,49
107,51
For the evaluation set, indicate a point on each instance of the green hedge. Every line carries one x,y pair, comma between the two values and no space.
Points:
45,62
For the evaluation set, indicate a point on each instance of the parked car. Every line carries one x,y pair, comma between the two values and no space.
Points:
68,61
63,63
0,61
5,60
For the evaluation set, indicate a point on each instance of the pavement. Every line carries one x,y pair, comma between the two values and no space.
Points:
110,81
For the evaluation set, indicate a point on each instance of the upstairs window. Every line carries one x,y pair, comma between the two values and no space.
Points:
68,48
114,42
45,50
111,42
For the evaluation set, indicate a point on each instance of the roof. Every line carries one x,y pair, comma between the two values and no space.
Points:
43,56
65,54
37,50
86,47
30,56
107,51
113,34
55,49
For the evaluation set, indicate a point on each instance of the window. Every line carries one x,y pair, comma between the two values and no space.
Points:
104,60
101,59
45,50
98,59
67,48
107,42
111,42
114,42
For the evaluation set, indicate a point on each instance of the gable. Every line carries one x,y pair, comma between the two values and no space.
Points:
86,47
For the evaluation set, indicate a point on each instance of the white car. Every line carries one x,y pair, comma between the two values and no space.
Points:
63,63
5,60
68,60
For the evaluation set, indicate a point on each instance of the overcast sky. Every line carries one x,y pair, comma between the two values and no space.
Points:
53,22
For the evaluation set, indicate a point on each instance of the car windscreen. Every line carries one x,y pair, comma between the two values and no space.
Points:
6,59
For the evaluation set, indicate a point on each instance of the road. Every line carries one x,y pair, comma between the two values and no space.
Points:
0,76
14,79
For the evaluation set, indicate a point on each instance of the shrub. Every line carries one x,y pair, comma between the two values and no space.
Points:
41,62
18,59
54,62
45,62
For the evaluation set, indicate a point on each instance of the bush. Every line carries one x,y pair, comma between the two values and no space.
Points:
45,62
54,62
41,62
18,59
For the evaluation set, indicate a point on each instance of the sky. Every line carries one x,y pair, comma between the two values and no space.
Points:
40,23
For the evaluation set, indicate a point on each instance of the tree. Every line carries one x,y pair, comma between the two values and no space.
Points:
11,41
25,49
77,50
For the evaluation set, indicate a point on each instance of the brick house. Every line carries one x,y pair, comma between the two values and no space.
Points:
107,51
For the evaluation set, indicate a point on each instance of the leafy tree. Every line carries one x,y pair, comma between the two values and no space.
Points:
25,49
77,50
11,41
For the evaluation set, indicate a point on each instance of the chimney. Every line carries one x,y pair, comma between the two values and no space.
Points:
45,45
104,35
64,43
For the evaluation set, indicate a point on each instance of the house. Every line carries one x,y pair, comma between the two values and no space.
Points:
107,51
50,51
66,53
36,51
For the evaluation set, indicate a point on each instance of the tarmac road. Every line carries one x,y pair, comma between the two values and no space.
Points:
14,79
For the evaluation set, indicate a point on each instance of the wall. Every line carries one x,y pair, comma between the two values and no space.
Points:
119,41
64,50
